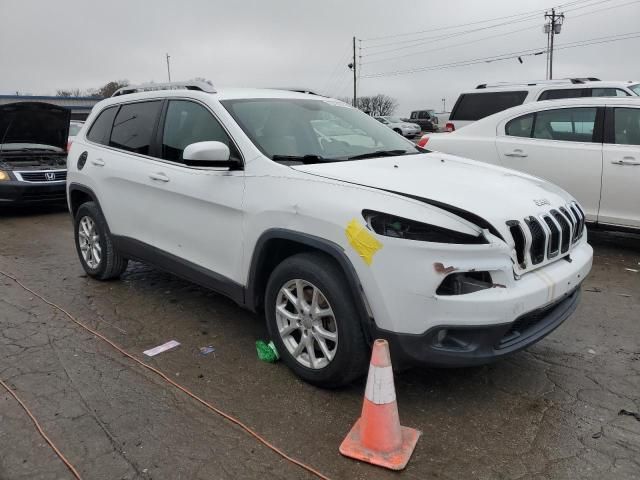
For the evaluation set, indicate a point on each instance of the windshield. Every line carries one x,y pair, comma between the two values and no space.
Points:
635,88
74,128
314,130
395,119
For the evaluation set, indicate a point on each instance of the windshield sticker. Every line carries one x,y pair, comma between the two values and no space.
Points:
362,241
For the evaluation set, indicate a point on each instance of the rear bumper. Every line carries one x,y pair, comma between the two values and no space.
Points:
462,346
25,193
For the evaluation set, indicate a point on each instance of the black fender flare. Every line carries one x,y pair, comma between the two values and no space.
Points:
330,248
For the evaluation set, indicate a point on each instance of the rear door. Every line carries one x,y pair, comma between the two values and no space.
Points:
620,203
562,145
117,163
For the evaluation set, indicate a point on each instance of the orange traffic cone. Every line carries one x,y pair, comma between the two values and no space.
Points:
377,437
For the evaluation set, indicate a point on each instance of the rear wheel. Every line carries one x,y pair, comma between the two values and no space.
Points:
398,131
312,320
97,253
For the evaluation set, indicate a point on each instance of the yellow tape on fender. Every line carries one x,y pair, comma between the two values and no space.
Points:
362,241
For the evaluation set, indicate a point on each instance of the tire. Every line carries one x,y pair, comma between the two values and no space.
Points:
350,352
110,264
398,131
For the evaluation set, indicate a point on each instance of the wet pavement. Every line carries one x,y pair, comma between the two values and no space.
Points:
547,413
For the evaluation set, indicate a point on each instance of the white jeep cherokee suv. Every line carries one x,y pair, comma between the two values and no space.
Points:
334,226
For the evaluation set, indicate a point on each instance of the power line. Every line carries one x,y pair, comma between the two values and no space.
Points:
451,27
510,55
511,32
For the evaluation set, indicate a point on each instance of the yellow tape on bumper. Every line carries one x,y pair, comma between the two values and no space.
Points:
362,241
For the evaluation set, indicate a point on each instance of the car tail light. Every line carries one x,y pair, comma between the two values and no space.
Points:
423,142
450,127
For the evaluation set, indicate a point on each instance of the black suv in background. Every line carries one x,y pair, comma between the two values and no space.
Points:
33,156
426,119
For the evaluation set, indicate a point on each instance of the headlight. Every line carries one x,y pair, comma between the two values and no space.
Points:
398,227
3,175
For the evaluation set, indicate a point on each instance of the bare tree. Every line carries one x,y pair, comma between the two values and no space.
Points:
109,88
376,105
73,92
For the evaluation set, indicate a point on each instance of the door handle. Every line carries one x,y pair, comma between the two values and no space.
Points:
631,161
516,153
98,162
160,177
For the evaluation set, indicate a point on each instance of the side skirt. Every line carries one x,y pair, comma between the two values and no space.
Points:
136,250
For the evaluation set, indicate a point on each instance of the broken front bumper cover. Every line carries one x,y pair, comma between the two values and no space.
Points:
462,346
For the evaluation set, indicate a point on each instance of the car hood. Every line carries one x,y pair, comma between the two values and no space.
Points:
492,193
34,123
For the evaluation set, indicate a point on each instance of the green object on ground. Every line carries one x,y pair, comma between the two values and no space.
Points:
267,352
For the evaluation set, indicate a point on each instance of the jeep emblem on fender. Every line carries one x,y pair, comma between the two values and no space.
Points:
541,202
50,175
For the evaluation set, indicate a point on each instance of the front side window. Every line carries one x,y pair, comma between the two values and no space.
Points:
101,128
627,126
134,125
189,122
608,92
521,126
567,124
474,106
313,131
414,115
635,88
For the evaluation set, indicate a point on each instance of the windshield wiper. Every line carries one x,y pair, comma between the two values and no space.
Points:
305,159
380,153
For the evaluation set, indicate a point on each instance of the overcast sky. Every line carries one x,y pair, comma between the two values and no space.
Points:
46,45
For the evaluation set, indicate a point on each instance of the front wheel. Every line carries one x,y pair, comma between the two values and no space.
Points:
312,320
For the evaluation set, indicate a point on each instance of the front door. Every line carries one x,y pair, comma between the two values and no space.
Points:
560,145
196,213
620,203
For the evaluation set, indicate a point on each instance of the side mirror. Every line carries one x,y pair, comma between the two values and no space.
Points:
208,154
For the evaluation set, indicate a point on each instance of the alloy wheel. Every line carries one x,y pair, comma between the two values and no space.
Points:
89,242
307,324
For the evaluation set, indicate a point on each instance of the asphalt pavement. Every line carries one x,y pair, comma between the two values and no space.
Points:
551,412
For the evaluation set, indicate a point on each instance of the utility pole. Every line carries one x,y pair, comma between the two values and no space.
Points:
444,108
353,67
168,67
552,28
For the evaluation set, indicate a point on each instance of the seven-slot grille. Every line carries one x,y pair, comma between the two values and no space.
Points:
547,235
37,176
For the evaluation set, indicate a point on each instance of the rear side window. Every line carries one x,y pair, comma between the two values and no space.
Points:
474,106
567,124
424,114
101,128
608,92
627,126
559,93
134,125
189,122
521,126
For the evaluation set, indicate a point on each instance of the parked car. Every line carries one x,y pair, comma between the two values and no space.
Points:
74,128
339,235
396,124
33,158
426,119
486,99
588,146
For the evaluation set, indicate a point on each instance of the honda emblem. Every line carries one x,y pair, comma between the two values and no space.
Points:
50,175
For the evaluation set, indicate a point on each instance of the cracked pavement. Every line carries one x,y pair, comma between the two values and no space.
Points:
550,412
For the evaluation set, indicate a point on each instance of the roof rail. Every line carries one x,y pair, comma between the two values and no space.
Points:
559,81
299,90
148,87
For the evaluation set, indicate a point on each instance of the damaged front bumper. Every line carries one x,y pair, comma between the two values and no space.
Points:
510,313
